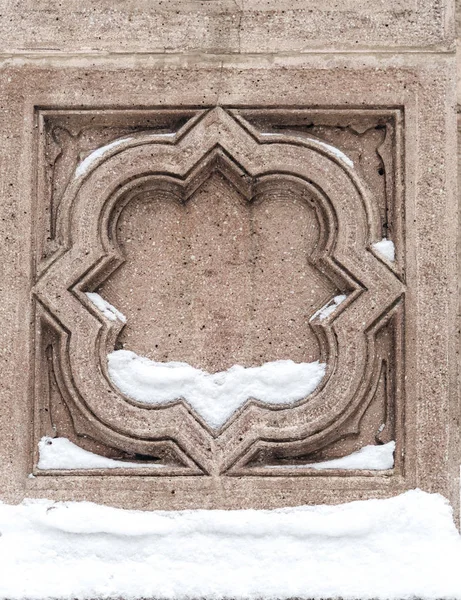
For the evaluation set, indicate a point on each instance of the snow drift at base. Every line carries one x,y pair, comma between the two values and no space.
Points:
403,547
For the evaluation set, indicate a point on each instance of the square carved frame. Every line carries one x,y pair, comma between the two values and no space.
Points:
304,209
419,97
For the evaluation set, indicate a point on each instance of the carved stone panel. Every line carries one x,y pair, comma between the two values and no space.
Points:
230,296
229,240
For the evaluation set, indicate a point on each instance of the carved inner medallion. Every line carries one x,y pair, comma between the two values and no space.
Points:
220,279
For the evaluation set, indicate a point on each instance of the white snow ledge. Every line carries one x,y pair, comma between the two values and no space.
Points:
403,547
214,396
373,458
61,453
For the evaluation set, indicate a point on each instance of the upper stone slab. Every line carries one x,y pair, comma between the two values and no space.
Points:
226,26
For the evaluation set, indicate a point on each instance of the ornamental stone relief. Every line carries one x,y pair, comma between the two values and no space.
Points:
219,292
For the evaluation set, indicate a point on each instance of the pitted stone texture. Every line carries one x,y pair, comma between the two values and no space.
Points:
226,26
417,293
219,280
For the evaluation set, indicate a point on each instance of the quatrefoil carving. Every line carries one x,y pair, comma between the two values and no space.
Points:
254,164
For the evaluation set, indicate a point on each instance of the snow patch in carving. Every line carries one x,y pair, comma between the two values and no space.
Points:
214,396
329,308
169,135
61,453
107,309
373,458
336,151
386,248
87,162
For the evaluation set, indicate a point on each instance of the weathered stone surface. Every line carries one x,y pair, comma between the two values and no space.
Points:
226,26
232,182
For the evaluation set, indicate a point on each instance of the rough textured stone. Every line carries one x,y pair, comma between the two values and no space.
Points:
245,133
226,26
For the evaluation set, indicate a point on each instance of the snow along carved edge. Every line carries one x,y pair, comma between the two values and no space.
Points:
60,453
214,396
385,248
372,458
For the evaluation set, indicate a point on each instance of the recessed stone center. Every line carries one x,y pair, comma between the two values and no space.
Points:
218,280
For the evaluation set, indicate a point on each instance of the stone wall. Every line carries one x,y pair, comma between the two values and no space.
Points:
246,182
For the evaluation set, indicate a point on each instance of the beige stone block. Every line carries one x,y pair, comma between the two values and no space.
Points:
219,205
225,26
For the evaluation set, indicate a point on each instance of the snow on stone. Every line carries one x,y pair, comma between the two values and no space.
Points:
170,135
328,308
386,248
374,458
402,547
87,162
215,397
107,309
337,152
61,453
